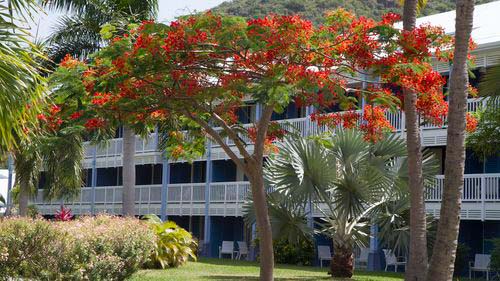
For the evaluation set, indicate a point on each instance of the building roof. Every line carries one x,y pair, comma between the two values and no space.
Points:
485,30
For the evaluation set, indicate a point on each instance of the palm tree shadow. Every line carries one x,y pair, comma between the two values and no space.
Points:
252,278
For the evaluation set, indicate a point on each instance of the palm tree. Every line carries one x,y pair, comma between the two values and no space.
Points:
343,175
59,154
79,35
443,256
27,164
20,82
417,266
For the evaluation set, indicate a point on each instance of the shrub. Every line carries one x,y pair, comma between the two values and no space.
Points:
111,248
34,249
33,211
100,248
174,245
462,258
299,253
495,254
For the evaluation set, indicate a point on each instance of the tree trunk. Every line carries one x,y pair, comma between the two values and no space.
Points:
24,194
417,264
443,256
342,265
128,156
263,223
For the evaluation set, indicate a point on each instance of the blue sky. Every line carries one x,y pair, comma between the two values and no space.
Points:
169,9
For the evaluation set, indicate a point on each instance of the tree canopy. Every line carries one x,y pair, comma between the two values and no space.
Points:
195,73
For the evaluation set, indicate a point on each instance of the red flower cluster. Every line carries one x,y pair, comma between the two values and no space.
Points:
471,123
69,62
94,123
345,119
375,124
101,99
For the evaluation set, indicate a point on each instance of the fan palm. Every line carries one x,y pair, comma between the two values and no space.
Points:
346,178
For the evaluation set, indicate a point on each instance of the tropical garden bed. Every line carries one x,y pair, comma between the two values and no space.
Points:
225,269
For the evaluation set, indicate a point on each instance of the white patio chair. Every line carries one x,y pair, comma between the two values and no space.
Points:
227,248
324,254
362,260
392,260
481,263
242,250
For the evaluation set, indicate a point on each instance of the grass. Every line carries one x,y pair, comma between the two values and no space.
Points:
215,269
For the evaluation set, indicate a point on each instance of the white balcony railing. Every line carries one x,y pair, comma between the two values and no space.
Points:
301,126
480,198
477,188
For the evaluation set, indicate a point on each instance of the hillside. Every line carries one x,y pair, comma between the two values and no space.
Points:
314,9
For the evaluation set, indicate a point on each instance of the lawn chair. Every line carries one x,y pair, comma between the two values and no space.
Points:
481,263
227,248
242,250
392,260
362,260
324,254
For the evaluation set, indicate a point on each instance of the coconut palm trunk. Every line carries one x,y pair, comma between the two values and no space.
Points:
24,194
417,265
443,257
128,203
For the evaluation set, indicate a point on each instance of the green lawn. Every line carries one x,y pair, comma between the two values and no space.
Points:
215,269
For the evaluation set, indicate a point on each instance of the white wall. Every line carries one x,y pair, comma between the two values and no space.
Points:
4,176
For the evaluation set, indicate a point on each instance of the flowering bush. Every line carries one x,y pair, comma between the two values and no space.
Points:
101,248
35,249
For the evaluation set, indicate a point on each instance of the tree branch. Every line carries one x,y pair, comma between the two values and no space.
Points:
262,126
216,136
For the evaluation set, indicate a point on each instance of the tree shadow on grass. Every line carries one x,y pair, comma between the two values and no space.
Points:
243,263
255,278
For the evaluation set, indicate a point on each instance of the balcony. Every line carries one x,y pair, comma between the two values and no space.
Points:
226,199
480,199
109,155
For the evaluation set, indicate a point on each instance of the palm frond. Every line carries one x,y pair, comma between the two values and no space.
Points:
20,81
62,157
287,218
490,83
302,168
77,36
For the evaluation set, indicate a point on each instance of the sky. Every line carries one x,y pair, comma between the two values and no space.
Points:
43,22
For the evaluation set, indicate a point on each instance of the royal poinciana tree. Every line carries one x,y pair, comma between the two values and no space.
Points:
190,77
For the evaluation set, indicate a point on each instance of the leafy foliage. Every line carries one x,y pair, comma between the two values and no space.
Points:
154,72
462,258
63,214
20,82
174,245
485,140
352,179
99,248
297,253
79,33
495,255
314,9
